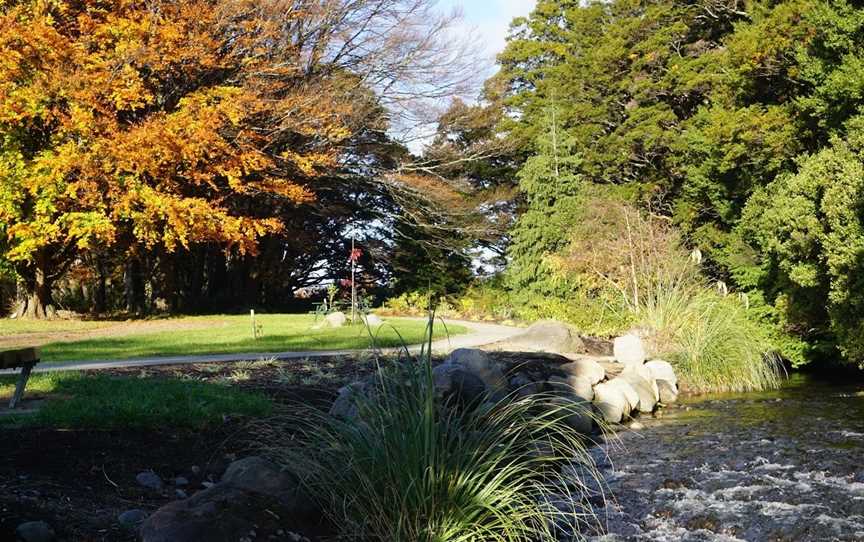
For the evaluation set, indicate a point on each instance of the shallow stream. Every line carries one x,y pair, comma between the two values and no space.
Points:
783,465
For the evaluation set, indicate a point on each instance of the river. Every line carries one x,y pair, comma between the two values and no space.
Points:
783,465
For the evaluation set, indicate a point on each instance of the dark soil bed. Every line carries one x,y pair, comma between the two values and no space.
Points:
79,481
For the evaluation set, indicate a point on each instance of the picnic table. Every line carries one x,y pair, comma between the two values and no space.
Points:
25,359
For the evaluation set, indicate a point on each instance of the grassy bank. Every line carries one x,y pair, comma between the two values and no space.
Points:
225,334
95,401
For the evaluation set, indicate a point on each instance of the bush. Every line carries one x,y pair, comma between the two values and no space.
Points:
411,468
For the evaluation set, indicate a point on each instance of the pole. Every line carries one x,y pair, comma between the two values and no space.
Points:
254,327
353,286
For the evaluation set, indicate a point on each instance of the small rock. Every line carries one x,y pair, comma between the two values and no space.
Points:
628,349
181,481
130,519
635,426
668,392
196,470
150,480
373,321
35,531
207,485
662,370
334,320
180,494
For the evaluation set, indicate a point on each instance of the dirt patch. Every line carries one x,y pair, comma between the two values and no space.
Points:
79,481
110,329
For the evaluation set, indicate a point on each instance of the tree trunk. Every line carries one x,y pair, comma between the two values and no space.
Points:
134,286
100,297
36,301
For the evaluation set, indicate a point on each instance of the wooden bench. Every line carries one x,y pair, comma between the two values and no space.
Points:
26,359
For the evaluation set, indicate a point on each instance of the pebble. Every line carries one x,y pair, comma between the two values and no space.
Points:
150,480
130,519
35,531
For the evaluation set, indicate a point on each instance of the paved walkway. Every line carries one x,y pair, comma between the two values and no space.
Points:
479,334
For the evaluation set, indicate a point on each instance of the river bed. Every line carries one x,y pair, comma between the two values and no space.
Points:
784,465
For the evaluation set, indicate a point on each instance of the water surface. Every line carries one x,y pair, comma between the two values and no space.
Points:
784,465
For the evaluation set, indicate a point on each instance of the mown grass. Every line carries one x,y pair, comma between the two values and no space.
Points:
79,400
9,326
233,334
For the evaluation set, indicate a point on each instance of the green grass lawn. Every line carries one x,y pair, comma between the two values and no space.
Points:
233,334
79,400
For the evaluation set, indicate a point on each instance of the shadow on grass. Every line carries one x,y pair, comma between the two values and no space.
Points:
78,400
231,340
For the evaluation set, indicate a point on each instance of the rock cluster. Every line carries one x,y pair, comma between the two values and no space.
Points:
613,389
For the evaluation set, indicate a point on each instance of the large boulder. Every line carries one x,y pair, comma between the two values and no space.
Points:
611,402
642,372
628,349
644,389
550,336
585,368
579,415
668,392
629,393
34,531
454,381
662,370
482,365
254,496
572,387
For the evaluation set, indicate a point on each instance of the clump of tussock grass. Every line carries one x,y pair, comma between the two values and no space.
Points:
415,468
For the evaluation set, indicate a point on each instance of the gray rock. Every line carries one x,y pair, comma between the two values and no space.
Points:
550,336
573,386
181,481
131,519
644,389
150,480
668,392
454,381
334,319
662,370
629,393
579,414
524,386
35,531
181,494
345,405
611,401
628,349
482,365
258,475
586,368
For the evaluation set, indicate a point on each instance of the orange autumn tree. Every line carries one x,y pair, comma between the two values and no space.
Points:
156,123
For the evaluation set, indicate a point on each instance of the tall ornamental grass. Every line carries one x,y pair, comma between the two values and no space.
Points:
412,468
701,328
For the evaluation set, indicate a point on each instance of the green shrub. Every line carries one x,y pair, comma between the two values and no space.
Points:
415,470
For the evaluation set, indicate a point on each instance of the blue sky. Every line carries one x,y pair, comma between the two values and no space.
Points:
491,18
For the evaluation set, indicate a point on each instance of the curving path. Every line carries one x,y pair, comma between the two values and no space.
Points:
479,334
